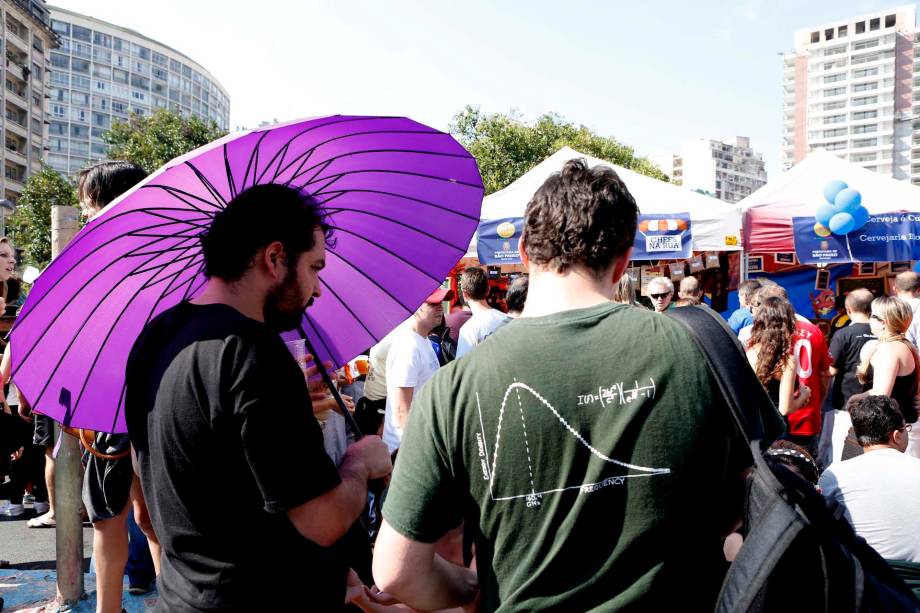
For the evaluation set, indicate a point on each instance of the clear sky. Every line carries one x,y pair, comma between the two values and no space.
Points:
651,74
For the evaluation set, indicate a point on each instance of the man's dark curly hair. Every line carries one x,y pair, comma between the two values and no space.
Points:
580,215
254,219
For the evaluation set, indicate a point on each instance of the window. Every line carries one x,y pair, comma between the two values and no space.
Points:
120,107
160,60
38,45
861,143
102,39
141,67
835,119
36,101
834,91
889,21
60,61
118,44
186,72
859,115
60,27
101,87
79,99
58,144
841,31
865,72
103,72
140,82
102,55
36,71
139,96
835,50
834,132
78,131
79,148
830,106
833,78
59,111
863,157
120,60
102,120
865,44
78,115
860,27
120,76
158,88
869,127
175,66
82,50
829,34
79,33
120,91
864,87
874,24
836,146
98,149
815,37
60,78
100,103
80,66
160,73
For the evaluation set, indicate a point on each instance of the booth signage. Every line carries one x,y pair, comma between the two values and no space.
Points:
660,236
498,241
886,237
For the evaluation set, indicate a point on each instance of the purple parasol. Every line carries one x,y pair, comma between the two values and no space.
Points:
404,199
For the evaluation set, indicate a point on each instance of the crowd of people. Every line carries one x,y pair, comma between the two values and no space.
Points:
551,456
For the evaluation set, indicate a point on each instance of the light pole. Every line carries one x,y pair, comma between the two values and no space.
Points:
6,207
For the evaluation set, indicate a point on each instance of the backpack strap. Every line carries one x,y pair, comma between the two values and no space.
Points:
747,400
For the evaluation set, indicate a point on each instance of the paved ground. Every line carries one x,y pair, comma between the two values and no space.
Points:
33,591
34,548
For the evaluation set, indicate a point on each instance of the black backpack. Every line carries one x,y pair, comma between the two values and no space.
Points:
799,551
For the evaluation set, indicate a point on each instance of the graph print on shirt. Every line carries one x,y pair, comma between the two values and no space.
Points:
515,486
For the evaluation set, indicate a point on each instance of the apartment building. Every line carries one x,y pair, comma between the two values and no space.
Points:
26,38
102,73
852,87
728,170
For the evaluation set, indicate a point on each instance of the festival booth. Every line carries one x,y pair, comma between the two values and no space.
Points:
827,226
680,231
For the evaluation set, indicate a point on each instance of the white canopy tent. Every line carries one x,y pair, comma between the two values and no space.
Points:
715,225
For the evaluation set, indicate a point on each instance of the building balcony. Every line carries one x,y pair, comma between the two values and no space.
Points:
17,99
15,127
16,156
13,185
17,40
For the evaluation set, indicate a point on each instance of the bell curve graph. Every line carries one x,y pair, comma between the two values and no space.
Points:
527,489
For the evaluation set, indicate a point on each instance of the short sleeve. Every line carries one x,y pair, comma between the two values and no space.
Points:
465,339
282,441
424,500
836,350
402,364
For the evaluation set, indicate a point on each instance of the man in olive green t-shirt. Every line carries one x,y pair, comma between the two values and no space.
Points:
584,445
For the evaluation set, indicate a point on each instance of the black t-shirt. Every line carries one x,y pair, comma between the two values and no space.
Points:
845,347
220,417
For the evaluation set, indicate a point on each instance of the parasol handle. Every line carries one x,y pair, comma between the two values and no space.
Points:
349,419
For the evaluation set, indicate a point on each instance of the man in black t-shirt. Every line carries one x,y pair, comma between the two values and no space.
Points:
246,503
845,347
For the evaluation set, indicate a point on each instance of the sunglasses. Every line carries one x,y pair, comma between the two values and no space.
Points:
660,296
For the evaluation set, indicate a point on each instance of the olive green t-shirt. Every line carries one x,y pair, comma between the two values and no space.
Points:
590,454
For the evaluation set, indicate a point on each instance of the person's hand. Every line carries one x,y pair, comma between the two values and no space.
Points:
373,453
6,408
17,454
25,413
804,393
2,306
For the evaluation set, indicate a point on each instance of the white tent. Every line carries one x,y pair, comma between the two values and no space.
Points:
799,191
715,225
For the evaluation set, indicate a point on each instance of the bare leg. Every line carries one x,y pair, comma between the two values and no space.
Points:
49,479
110,547
142,517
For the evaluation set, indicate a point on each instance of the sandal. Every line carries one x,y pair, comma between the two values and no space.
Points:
42,521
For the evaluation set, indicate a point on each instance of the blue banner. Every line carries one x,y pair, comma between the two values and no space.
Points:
663,237
888,237
498,241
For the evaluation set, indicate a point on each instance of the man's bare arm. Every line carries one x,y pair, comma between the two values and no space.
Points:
410,571
401,404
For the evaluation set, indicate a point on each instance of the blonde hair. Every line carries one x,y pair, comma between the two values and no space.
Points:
624,292
896,314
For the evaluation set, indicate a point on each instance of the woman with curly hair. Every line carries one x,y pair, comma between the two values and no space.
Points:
889,366
770,353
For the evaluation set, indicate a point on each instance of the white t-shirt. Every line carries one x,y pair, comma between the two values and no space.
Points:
478,328
913,331
411,361
375,386
880,490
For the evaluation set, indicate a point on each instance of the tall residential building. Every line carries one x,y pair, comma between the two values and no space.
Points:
101,73
729,171
852,87
26,39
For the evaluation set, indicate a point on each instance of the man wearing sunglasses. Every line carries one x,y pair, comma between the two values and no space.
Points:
661,291
879,490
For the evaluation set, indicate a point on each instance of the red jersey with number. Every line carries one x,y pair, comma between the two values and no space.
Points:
813,360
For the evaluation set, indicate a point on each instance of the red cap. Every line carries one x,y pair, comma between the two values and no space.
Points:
440,295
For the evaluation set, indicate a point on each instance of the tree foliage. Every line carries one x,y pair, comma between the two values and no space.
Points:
151,141
507,147
30,226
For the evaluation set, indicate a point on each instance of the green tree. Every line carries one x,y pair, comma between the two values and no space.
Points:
30,226
151,141
506,147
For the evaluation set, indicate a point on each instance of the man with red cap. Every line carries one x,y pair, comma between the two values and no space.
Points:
410,363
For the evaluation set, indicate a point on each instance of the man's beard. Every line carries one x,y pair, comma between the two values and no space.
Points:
284,304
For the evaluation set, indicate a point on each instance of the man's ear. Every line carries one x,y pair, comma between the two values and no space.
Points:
271,259
525,261
620,265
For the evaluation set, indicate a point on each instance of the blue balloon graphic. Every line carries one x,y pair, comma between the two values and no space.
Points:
833,188
824,213
841,223
847,200
860,217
